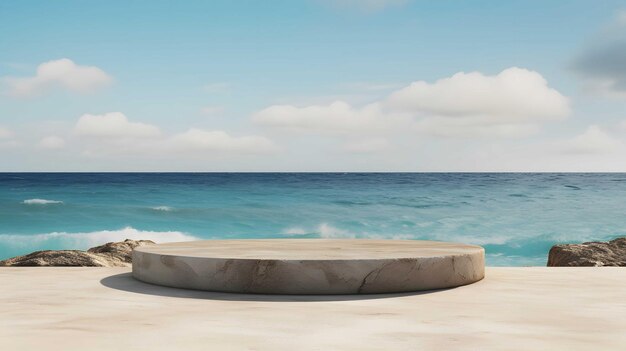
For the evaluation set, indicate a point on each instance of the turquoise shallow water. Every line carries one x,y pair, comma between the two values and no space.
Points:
515,216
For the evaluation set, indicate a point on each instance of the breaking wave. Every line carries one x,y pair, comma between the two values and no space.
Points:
88,239
327,231
41,202
163,208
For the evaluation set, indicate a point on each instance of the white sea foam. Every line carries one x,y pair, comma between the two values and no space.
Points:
163,208
41,202
474,240
294,231
325,230
89,239
328,231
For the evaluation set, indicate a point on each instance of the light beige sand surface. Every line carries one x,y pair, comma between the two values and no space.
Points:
511,309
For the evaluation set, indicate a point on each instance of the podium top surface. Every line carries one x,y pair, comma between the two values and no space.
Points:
311,249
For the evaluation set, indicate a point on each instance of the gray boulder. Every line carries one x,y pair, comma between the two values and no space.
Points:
113,254
591,254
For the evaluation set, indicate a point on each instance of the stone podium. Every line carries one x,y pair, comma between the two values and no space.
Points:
310,266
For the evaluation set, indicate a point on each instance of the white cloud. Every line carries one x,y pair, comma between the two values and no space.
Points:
336,118
211,110
6,139
513,95
113,125
63,73
513,103
217,140
5,133
113,136
622,125
52,142
367,145
593,140
471,127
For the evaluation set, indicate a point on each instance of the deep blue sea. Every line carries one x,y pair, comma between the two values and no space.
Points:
515,216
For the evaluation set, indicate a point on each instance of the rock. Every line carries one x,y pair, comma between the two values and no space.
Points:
119,251
591,254
113,254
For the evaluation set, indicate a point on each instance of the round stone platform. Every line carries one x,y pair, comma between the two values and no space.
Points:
310,266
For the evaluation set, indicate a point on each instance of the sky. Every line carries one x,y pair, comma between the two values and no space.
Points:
313,85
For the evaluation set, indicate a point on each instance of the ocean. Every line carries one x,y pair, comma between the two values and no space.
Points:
516,217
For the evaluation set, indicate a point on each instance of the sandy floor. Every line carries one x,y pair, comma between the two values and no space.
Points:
511,309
